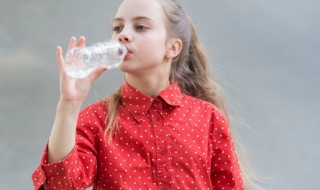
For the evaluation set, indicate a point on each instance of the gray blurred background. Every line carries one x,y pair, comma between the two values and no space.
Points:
265,54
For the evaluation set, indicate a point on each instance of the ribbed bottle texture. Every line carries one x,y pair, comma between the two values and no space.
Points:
80,62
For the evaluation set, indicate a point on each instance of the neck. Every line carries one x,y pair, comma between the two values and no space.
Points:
149,84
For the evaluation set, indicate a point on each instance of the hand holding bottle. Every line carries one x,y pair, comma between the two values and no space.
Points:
75,90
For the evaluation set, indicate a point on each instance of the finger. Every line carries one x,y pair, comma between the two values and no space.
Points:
60,60
96,73
72,42
81,42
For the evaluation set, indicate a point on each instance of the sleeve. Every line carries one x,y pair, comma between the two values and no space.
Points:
79,169
225,168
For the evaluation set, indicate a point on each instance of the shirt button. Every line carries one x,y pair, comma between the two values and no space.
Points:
158,118
164,188
162,152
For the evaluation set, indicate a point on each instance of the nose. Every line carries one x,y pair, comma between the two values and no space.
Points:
124,36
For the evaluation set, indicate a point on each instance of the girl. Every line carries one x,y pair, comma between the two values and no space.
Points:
165,128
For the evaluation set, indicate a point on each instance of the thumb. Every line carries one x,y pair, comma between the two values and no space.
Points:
96,73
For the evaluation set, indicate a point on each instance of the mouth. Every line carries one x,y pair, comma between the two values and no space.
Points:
129,52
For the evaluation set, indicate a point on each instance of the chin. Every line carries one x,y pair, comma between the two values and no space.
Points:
132,69
125,67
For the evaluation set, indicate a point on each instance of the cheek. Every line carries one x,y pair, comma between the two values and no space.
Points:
154,49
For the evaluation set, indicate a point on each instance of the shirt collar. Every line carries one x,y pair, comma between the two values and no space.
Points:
138,103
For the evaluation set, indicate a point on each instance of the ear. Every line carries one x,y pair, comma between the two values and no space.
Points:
174,47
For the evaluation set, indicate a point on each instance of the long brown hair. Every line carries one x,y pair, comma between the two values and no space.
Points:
190,69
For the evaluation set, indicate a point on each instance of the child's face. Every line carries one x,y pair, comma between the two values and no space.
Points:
140,26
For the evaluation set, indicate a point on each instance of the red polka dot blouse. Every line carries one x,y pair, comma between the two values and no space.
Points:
172,141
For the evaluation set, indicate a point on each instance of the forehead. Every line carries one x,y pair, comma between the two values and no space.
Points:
130,9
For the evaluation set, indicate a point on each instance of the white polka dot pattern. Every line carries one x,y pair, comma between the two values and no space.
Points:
172,141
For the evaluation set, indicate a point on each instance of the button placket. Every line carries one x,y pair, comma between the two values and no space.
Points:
161,144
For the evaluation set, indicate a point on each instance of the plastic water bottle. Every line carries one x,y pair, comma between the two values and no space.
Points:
80,62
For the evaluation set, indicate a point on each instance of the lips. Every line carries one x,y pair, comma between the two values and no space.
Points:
129,52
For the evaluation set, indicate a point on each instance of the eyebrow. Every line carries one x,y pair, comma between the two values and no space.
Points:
119,19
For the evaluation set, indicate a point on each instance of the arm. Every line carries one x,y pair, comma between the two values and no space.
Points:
79,168
60,165
225,169
72,95
62,137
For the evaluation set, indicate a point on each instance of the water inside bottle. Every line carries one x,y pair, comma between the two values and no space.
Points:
76,73
80,62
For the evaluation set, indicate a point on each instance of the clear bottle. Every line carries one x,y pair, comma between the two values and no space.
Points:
81,61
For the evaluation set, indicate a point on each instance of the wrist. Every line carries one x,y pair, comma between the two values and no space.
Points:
69,105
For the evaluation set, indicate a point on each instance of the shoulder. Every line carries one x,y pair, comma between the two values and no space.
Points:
91,120
94,110
196,102
216,115
100,105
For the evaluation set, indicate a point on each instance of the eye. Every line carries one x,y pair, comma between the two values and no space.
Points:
141,27
117,29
